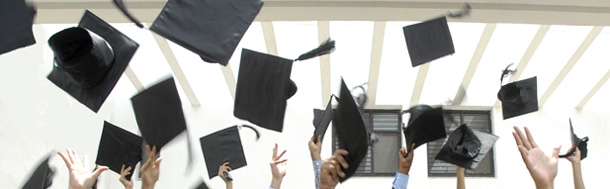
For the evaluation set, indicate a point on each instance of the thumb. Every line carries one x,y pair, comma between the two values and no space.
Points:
556,152
99,171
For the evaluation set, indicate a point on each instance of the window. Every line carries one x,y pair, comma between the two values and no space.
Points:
476,120
382,157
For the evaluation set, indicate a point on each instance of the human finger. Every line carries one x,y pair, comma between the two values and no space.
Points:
319,140
99,171
338,169
517,139
71,155
342,161
524,155
524,140
556,152
274,151
66,160
280,156
530,138
281,161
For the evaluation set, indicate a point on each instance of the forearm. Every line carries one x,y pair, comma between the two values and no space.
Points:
229,185
147,186
578,182
404,169
460,179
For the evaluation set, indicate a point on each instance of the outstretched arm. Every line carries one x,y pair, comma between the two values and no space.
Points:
278,168
150,169
460,178
575,160
542,168
224,168
80,177
406,160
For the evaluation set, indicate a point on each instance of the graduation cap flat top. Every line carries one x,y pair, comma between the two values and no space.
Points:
118,147
581,144
42,177
351,131
322,119
428,40
220,147
425,124
16,19
159,114
263,86
90,59
519,98
466,147
210,28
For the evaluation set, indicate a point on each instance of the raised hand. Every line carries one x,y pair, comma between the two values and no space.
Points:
406,159
278,168
80,176
315,148
124,172
331,169
542,168
224,168
150,169
575,160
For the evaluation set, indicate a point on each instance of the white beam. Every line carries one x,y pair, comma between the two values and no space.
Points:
594,90
474,63
173,64
419,83
229,78
529,53
269,34
376,51
134,79
323,34
568,67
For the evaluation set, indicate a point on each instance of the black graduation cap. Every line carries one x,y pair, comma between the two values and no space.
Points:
210,28
466,147
159,114
118,147
42,177
220,147
16,19
351,131
90,59
428,40
201,185
321,120
121,6
581,144
519,98
426,124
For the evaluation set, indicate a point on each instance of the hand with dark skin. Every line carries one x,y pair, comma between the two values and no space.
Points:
406,159
575,160
124,172
80,176
542,168
150,169
315,148
330,170
224,168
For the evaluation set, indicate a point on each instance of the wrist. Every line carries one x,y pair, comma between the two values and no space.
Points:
229,185
276,183
548,186
404,170
147,186
315,157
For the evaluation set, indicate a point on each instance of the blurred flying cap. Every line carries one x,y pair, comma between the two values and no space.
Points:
351,131
16,19
426,124
519,98
209,28
466,147
90,59
428,40
42,177
578,142
220,147
121,5
322,119
201,185
264,86
158,112
118,147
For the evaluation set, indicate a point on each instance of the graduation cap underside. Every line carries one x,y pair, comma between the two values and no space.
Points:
322,119
220,147
42,177
519,98
581,144
159,114
210,28
351,131
16,19
118,147
79,70
466,147
426,124
428,40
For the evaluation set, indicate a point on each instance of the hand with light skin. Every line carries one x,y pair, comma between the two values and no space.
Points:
575,160
80,177
315,148
406,159
124,172
330,170
460,178
278,168
222,169
150,169
542,168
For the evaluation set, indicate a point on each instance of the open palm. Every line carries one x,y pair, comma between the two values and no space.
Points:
80,176
542,168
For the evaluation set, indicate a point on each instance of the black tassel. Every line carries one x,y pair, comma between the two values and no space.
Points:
123,8
326,47
258,135
461,13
